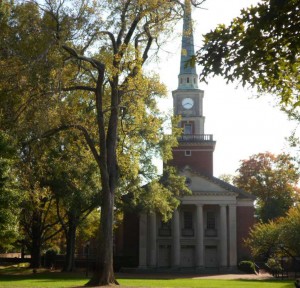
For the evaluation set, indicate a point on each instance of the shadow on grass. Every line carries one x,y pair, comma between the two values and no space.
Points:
16,274
13,273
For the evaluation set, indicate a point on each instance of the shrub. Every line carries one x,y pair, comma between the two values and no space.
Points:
50,256
274,264
247,267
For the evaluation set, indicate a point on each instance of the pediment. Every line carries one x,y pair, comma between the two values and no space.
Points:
198,183
208,185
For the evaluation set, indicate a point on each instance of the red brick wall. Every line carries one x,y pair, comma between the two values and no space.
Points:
245,220
200,161
131,235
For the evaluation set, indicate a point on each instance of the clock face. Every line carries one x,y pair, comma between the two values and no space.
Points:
187,103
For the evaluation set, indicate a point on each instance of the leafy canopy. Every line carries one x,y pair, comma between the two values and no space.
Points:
266,239
273,180
260,48
10,196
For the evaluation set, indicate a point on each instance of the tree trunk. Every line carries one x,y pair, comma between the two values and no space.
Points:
104,272
69,264
107,162
35,249
35,255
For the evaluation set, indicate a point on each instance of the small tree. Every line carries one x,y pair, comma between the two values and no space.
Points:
290,230
266,240
75,187
273,180
263,240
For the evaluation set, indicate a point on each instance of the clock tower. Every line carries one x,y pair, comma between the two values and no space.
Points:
195,147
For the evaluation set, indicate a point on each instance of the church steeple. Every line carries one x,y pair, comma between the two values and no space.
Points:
195,148
188,78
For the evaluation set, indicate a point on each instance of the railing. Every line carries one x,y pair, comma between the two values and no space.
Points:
195,138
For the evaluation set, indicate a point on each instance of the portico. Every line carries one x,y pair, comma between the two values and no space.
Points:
201,234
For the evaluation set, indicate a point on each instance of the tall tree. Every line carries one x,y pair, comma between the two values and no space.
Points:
113,78
260,48
104,49
10,196
273,180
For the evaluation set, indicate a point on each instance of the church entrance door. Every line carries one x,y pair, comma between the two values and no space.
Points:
187,256
164,257
211,257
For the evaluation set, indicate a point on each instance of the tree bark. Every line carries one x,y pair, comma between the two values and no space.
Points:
35,253
69,264
104,272
35,249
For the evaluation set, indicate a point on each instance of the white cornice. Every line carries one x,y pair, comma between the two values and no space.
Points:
213,193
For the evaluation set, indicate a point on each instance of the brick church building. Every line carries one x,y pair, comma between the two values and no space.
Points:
207,230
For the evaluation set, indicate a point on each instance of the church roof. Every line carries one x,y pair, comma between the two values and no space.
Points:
230,187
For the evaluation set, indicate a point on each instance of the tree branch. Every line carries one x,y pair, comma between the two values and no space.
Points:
112,38
79,87
123,25
95,63
81,128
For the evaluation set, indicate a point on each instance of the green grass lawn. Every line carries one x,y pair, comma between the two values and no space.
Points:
22,277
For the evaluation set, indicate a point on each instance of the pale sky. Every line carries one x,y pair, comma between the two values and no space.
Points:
241,126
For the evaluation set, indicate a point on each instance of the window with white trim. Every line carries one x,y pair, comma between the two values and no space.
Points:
210,220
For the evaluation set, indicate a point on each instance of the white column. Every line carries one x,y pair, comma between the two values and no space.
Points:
152,255
223,239
199,235
176,239
143,241
232,236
